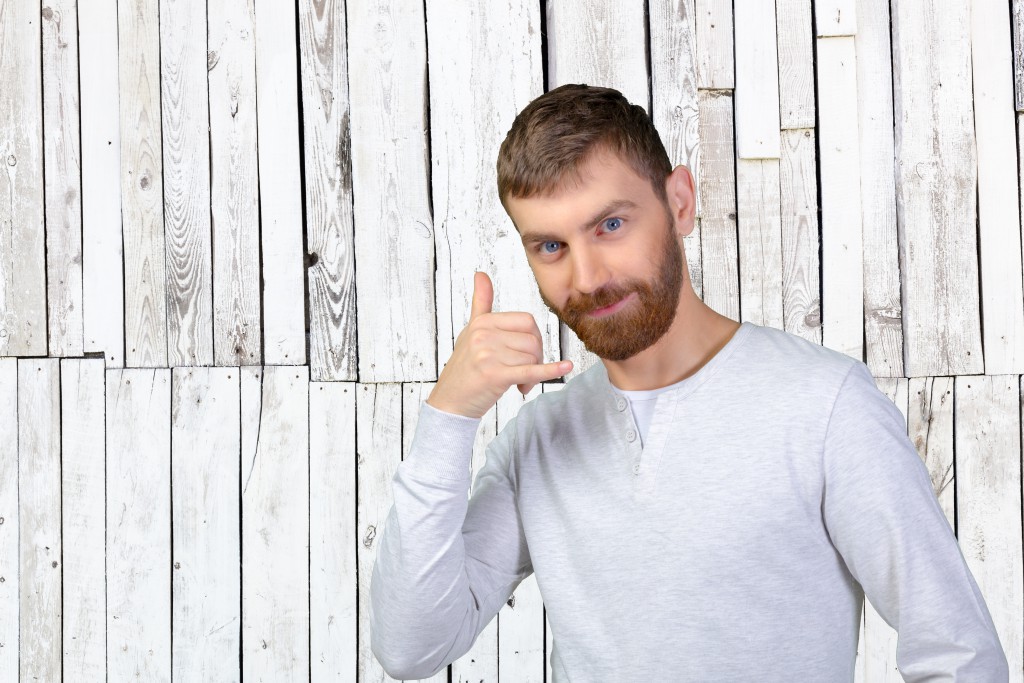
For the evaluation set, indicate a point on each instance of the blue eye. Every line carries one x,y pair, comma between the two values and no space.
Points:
549,247
613,224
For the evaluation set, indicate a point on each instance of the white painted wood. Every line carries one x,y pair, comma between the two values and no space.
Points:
206,548
476,89
378,452
275,523
988,497
717,174
841,230
757,81
714,24
796,63
10,610
883,317
332,526
103,266
798,196
62,166
138,412
936,186
758,207
234,185
394,237
930,425
23,257
284,331
999,220
1017,19
39,532
328,172
83,515
835,17
142,210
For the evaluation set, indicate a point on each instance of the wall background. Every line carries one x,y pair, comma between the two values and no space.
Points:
237,240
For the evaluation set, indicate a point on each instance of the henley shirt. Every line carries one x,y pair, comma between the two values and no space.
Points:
776,488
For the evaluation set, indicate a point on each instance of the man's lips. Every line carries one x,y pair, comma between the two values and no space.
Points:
608,310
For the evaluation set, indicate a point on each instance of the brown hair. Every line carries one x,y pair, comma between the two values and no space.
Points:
557,131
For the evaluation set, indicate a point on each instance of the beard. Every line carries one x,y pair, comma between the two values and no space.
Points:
632,329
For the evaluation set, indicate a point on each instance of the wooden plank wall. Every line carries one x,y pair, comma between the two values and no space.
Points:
237,241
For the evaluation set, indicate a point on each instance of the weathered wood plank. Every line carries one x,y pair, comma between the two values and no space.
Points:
332,526
759,239
138,407
717,178
277,112
715,62
883,311
326,115
841,230
186,157
1002,290
930,426
1017,10
796,63
23,258
275,523
936,185
234,185
103,265
757,82
39,574
142,208
988,500
83,515
10,610
798,196
835,17
62,165
378,452
390,182
206,549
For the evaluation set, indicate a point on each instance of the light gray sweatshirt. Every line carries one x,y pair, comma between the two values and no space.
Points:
776,487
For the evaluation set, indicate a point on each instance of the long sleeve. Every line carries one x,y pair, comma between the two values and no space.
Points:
884,519
445,564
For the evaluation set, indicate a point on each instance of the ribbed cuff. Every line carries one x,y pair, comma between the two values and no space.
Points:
442,446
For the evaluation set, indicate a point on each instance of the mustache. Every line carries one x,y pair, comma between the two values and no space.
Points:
582,304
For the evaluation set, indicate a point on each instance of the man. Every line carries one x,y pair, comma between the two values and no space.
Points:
711,502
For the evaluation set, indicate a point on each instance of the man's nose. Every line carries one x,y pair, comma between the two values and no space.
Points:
589,272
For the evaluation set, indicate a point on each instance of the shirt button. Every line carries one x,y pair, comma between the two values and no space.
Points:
621,404
636,468
631,436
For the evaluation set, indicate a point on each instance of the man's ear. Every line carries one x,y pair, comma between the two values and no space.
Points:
682,199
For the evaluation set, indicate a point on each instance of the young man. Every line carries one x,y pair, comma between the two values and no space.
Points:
710,503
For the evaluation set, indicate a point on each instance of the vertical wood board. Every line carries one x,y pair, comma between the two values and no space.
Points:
760,241
796,64
715,45
798,196
10,610
757,82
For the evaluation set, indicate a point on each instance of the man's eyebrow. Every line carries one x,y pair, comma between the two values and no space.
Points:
609,208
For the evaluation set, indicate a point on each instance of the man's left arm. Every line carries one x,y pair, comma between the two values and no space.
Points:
886,522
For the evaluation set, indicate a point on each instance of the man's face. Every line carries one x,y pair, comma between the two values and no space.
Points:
605,255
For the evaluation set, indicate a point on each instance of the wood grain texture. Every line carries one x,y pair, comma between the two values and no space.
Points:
138,419
394,234
277,111
999,221
275,523
796,64
988,501
327,155
234,184
798,196
333,626
719,250
206,548
10,610
103,264
39,532
842,276
142,209
83,517
835,17
62,170
757,82
477,87
930,426
936,185
23,257
1017,19
715,62
759,238
883,310
186,157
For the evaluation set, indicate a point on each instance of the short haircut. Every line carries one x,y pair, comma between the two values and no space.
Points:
555,133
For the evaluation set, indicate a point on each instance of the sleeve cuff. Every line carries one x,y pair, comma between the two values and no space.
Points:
442,446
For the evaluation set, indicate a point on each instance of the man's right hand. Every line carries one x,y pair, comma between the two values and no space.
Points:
493,352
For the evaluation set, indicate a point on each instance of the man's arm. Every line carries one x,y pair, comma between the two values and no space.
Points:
883,517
